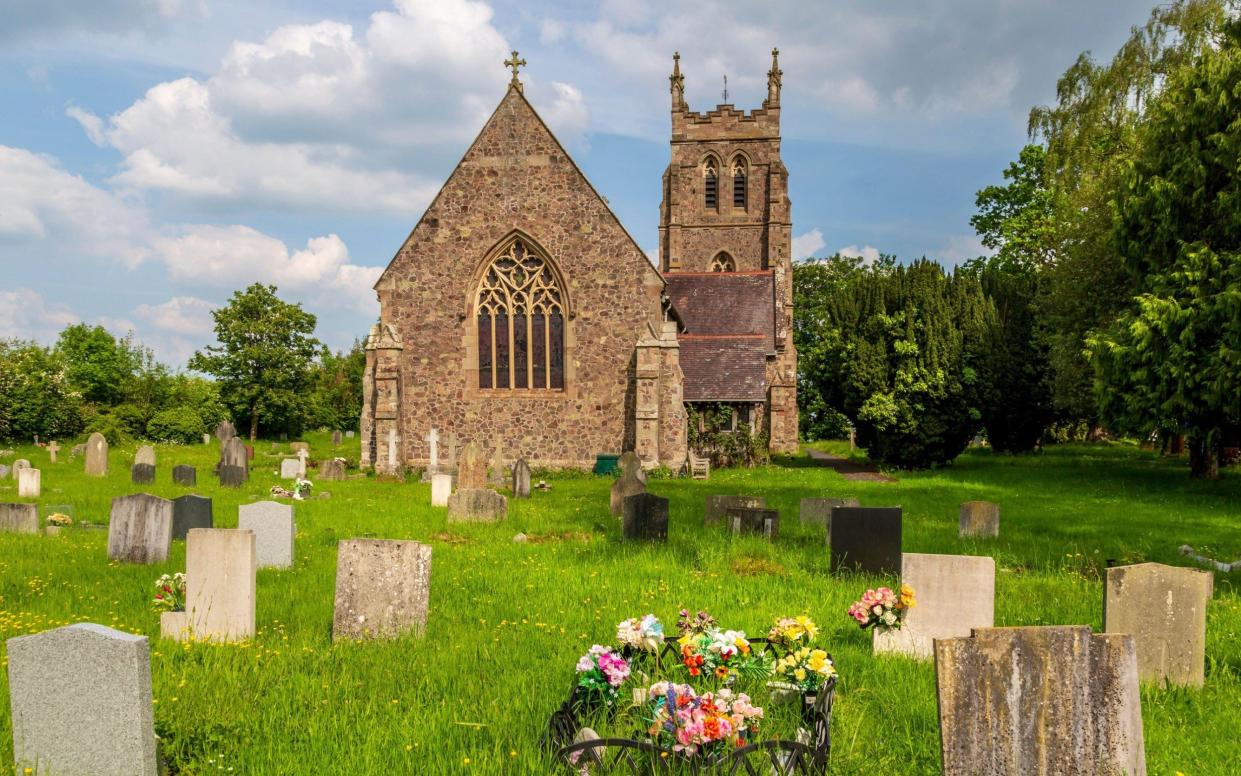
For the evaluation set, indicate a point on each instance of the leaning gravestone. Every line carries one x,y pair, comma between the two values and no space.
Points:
225,431
290,468
476,505
645,517
979,518
1164,608
274,530
954,595
521,479
18,466
96,456
142,473
189,512
818,511
866,539
471,468
220,573
441,489
332,470
19,518
186,476
631,482
1039,700
81,702
29,483
382,588
145,454
140,529
718,506
763,522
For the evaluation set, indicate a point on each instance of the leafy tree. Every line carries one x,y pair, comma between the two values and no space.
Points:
1017,220
36,397
337,398
97,364
179,425
1172,359
263,359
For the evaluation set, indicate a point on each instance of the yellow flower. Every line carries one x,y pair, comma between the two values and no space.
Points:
907,596
808,626
800,674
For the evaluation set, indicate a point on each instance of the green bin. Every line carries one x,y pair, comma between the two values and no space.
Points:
606,464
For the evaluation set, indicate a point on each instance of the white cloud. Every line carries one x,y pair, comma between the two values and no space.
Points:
806,245
960,248
867,253
91,124
25,315
552,31
179,315
566,113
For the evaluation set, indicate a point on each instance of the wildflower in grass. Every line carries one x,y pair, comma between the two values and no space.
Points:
169,593
882,608
645,634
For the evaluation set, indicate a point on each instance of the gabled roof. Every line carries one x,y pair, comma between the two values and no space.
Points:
724,368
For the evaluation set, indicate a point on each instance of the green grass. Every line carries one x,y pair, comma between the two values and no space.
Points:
509,620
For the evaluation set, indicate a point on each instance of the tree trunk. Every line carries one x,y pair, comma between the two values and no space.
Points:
254,423
1203,459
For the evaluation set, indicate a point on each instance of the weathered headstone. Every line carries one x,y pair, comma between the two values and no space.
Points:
818,511
4,472
299,446
645,517
1164,608
290,469
81,702
18,466
78,450
441,489
349,434
145,454
189,512
866,539
1039,700
630,462
225,431
220,576
631,482
471,468
476,505
955,594
382,588
521,479
274,531
233,476
332,470
497,473
29,483
140,529
19,518
206,439
52,450
142,473
96,456
746,520
336,438
186,476
718,506
979,518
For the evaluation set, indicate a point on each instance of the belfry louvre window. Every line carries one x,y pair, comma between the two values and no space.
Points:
723,263
738,184
520,323
710,185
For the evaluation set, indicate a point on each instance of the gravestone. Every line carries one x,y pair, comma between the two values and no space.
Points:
145,454
758,521
290,469
29,483
433,441
349,434
233,476
77,450
249,453
1039,700
206,439
332,470
18,466
299,446
497,473
81,702
274,530
52,450
979,518
521,479
189,512
645,516
336,438
19,518
1164,608
631,482
476,505
471,468
140,529
866,539
954,595
186,476
382,588
96,456
142,473
220,573
441,489
225,431
4,472
718,506
818,511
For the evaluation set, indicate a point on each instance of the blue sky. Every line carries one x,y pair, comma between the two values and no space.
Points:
156,155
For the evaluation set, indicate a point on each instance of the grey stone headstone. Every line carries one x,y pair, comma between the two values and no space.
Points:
234,453
630,463
1045,700
140,529
979,518
225,431
192,511
274,531
521,479
718,506
955,594
290,469
233,476
1164,608
382,588
142,473
145,454
645,517
29,483
81,702
19,518
77,450
349,434
4,472
336,438
18,466
96,456
476,505
631,482
866,539
185,475
760,522
471,468
206,439
332,470
818,511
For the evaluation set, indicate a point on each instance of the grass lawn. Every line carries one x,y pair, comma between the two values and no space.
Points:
508,621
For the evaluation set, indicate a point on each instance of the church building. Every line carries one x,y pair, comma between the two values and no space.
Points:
520,315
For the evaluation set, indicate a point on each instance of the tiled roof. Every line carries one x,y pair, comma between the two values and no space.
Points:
724,368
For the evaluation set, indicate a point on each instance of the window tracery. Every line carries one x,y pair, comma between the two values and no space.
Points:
520,322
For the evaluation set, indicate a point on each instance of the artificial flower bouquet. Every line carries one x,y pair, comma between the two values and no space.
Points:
302,488
59,520
601,672
723,655
169,593
713,723
883,609
805,669
791,632
644,634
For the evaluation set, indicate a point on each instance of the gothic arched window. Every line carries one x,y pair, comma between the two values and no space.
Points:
710,185
739,191
723,263
520,322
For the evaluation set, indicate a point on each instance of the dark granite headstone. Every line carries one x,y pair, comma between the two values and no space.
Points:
750,520
142,473
190,512
645,517
232,476
185,475
866,539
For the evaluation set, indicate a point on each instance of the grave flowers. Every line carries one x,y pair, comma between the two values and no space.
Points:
806,669
882,608
722,655
707,724
170,593
643,635
788,632
600,672
301,488
59,520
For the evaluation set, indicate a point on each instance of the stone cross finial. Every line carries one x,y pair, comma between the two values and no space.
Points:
53,449
514,63
678,81
773,77
433,439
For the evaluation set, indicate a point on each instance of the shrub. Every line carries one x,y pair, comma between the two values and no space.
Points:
110,426
180,425
130,418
